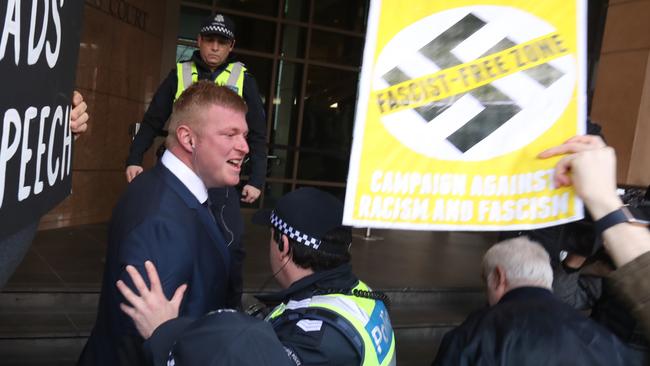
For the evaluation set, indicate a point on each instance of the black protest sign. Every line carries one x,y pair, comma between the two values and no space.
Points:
39,45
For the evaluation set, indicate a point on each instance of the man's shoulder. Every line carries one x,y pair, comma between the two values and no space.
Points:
145,187
524,311
546,317
504,318
151,195
511,329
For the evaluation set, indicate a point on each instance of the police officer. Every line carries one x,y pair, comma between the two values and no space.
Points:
212,61
325,316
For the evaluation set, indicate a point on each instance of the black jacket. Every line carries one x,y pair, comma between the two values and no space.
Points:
161,108
529,326
223,338
326,346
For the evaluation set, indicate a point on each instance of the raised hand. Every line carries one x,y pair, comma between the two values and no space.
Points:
151,308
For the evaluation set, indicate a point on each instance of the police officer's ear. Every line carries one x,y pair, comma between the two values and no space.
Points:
281,240
277,238
284,246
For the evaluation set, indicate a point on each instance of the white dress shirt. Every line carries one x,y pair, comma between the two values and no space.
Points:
186,176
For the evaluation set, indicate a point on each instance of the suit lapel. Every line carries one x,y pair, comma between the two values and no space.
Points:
202,213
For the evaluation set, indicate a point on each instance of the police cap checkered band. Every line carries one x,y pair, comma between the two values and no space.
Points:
217,29
218,25
307,216
293,233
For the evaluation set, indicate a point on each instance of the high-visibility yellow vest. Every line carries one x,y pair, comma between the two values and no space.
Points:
232,77
368,326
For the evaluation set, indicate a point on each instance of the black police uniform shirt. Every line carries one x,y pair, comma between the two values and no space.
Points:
326,346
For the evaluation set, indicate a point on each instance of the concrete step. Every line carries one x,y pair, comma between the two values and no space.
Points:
415,347
50,328
418,346
38,314
55,351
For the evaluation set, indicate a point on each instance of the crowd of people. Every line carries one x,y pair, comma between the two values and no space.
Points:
173,271
172,285
166,298
526,324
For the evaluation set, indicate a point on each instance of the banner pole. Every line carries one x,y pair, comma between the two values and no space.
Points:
368,236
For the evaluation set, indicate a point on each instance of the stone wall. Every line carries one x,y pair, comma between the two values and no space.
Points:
119,69
621,102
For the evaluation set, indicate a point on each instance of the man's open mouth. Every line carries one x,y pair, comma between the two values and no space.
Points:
235,162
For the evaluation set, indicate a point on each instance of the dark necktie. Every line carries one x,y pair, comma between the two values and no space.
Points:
208,205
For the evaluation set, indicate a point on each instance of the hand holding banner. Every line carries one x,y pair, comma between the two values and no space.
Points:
39,45
456,101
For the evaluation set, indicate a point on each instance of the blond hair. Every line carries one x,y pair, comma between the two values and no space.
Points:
189,106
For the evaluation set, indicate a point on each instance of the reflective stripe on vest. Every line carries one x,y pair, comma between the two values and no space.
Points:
232,77
368,318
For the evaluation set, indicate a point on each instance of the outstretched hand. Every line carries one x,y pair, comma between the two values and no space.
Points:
590,168
573,145
151,308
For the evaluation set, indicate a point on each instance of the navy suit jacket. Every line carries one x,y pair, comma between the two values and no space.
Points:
157,219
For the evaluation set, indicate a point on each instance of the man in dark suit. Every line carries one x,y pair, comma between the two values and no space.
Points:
164,217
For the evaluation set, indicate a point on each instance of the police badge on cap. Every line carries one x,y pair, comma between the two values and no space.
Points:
219,25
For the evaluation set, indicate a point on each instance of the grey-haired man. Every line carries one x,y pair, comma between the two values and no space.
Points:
525,323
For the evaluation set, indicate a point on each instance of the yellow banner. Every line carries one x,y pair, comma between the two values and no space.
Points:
456,100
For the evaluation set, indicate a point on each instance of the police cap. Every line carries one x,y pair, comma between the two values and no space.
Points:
220,25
